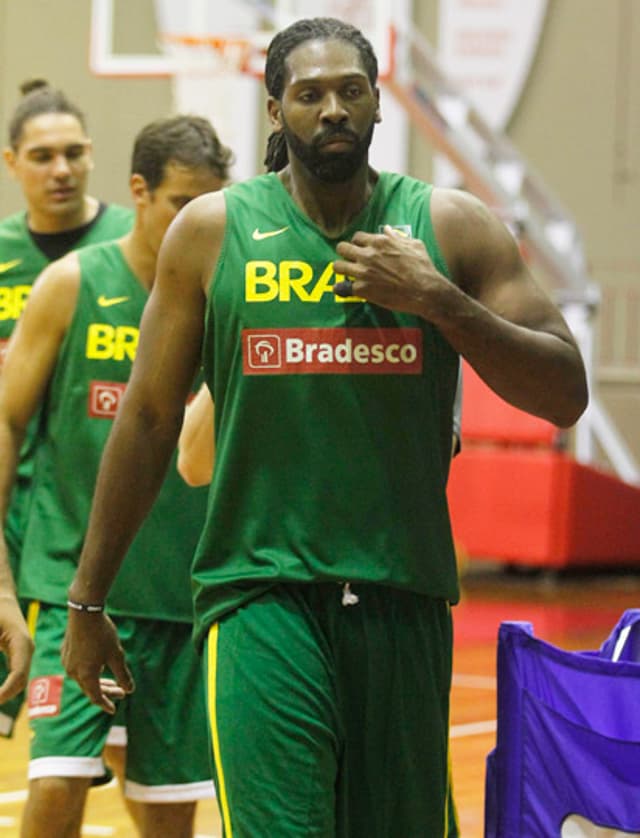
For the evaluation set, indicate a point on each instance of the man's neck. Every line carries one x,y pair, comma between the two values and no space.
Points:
331,206
140,257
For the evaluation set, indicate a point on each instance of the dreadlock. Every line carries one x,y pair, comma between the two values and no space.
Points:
309,29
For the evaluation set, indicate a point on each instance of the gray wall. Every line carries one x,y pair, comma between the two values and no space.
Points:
578,123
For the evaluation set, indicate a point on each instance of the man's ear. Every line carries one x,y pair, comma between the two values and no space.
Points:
274,110
139,189
9,157
90,153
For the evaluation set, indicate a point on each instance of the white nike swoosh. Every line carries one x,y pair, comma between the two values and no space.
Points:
6,266
105,302
258,236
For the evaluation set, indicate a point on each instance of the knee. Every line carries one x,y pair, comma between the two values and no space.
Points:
162,819
54,807
54,793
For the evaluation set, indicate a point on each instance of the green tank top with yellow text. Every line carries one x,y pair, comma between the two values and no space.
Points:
92,369
333,417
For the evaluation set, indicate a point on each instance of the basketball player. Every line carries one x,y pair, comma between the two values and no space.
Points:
49,154
330,304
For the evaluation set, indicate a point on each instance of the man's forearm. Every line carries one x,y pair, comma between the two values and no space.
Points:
11,440
533,369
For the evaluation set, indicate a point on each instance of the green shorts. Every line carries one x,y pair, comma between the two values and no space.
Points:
165,718
329,715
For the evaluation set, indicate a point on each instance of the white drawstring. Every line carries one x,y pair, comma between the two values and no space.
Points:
348,597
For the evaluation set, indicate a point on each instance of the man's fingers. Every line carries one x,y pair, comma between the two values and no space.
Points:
122,673
348,251
18,652
14,683
91,686
111,689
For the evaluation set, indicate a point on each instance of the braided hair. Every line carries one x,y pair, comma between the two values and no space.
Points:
308,29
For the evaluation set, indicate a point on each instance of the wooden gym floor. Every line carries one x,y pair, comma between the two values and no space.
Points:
574,611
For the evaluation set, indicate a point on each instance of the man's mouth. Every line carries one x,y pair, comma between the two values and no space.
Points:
62,193
337,142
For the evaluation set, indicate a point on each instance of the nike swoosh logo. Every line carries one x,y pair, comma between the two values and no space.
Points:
258,236
6,266
105,302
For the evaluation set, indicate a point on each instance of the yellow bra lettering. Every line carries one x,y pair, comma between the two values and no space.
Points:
261,285
268,281
324,285
13,300
294,276
106,342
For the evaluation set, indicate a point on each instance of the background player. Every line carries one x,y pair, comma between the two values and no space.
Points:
72,351
49,154
325,573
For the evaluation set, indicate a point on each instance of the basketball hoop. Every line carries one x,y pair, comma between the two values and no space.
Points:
210,55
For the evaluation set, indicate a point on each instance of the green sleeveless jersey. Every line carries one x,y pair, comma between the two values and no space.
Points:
21,261
92,369
333,417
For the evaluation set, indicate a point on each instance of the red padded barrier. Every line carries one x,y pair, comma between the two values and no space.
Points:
541,508
488,418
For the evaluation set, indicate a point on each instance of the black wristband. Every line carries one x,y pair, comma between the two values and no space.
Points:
81,606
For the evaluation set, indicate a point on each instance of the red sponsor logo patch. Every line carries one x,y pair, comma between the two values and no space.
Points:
104,398
393,351
44,696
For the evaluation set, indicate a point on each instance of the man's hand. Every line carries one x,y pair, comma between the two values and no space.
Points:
16,643
91,644
390,270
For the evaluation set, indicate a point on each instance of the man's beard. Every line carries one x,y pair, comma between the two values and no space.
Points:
330,166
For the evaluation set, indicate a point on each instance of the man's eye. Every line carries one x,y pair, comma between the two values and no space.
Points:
75,153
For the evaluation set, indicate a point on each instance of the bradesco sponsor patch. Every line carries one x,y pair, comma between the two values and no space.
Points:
44,696
394,351
105,398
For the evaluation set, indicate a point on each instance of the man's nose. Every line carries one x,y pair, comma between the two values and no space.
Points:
61,165
333,109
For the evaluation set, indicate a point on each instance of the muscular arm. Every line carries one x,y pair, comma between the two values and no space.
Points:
493,313
196,445
28,367
144,433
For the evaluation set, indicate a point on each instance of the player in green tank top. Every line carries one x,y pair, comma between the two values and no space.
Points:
330,303
79,333
49,155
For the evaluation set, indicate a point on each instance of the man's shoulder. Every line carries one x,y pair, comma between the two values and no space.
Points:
98,257
114,220
14,226
256,186
118,211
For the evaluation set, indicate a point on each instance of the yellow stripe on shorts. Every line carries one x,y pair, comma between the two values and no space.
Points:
211,698
32,617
